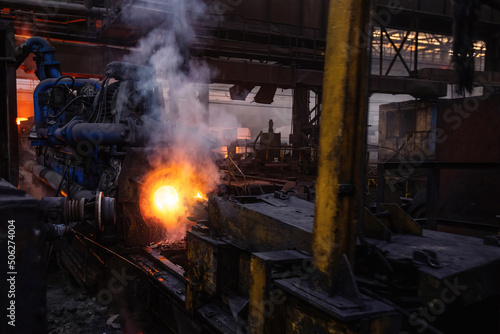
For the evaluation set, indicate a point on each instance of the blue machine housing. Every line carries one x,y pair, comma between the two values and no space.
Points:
84,127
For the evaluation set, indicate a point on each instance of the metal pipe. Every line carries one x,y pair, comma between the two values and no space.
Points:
31,45
53,179
85,135
342,138
55,7
94,133
47,66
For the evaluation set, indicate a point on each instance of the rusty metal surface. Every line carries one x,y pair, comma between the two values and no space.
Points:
460,136
218,319
470,195
262,290
469,129
461,258
263,227
390,219
342,136
400,222
337,312
135,231
211,264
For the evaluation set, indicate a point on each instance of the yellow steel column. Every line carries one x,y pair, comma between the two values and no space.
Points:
342,135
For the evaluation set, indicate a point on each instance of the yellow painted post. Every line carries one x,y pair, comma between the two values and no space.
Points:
342,135
257,318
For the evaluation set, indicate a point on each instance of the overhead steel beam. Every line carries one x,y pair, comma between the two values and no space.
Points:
411,86
482,78
232,72
90,60
54,7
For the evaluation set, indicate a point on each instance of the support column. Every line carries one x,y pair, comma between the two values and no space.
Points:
9,155
432,202
342,143
492,57
300,117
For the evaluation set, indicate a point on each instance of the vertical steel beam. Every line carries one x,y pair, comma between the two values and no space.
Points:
300,114
342,136
9,155
492,54
380,182
432,203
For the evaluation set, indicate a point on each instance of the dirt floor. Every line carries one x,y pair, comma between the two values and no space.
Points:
70,310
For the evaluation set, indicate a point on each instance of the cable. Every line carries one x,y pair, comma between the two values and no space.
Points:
68,88
62,180
103,101
108,250
64,108
64,77
99,106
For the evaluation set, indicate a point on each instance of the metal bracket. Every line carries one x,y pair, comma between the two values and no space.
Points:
427,257
346,189
345,285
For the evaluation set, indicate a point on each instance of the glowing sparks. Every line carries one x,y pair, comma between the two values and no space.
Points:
166,199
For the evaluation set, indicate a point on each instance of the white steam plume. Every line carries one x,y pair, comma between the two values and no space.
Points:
166,50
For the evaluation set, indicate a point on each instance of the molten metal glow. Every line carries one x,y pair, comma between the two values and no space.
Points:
166,199
170,193
20,119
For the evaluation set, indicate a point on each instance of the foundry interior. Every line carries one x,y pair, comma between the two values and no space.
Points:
237,166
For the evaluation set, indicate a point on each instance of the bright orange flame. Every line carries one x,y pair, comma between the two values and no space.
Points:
169,194
166,199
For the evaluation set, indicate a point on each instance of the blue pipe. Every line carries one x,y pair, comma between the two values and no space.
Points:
47,66
47,84
36,41
94,134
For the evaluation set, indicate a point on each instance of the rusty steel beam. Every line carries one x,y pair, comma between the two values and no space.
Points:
342,139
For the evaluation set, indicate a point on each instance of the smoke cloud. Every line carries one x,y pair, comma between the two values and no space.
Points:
184,138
